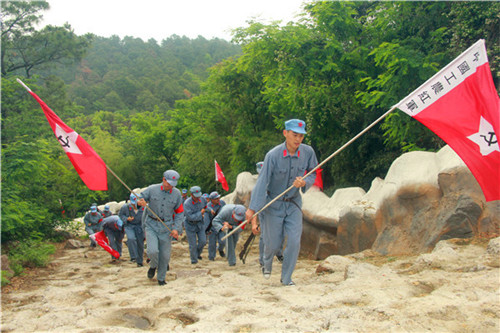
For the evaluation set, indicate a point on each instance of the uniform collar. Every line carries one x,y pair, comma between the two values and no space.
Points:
166,190
286,153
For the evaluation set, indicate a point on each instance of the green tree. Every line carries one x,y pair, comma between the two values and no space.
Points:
24,48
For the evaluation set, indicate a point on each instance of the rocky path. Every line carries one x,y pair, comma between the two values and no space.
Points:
453,289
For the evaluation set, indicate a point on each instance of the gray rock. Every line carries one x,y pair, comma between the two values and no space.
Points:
74,244
493,246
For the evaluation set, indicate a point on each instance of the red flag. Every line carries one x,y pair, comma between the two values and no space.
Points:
319,179
88,164
461,105
219,177
101,239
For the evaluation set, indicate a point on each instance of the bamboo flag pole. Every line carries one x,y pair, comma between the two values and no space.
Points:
131,191
313,170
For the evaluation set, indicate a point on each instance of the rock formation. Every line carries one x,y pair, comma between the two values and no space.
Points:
425,197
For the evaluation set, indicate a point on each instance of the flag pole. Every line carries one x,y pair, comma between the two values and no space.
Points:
132,191
107,167
22,83
313,170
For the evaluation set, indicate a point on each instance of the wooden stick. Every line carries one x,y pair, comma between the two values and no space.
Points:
313,170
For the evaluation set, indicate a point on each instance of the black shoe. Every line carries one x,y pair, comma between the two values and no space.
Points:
168,267
211,259
93,245
222,254
199,258
151,273
139,265
194,262
280,258
148,260
161,283
132,260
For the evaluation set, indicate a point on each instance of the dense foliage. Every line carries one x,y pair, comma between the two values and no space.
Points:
181,103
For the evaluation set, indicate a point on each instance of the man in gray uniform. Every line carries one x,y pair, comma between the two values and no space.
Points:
166,201
194,208
132,216
230,216
279,255
106,212
284,166
92,222
214,237
113,228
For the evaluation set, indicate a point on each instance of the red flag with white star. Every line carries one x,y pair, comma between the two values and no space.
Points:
88,164
461,105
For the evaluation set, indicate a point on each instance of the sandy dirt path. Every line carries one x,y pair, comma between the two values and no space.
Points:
453,289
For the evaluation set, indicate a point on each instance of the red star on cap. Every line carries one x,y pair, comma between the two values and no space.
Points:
173,177
300,124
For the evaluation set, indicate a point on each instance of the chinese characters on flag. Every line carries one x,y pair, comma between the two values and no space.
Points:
461,105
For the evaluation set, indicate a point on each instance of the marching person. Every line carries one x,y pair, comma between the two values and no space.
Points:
131,214
106,212
214,237
279,255
92,221
185,195
113,228
166,202
230,216
194,208
284,166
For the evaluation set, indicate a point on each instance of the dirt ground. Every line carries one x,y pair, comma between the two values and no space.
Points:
453,289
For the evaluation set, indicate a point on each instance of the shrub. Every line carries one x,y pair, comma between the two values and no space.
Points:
30,253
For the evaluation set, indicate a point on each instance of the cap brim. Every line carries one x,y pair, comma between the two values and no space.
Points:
172,182
239,217
298,130
197,195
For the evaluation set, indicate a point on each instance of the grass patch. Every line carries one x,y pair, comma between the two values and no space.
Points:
6,275
30,253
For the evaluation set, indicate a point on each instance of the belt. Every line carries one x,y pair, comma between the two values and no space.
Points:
291,200
155,218
193,222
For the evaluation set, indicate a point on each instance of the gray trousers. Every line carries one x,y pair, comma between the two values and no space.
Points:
274,229
135,242
197,238
159,249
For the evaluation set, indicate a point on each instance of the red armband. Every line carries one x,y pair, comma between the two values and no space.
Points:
179,210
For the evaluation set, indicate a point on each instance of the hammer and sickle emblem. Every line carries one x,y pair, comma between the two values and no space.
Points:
492,139
63,143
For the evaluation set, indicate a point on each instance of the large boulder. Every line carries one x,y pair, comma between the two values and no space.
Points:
426,197
245,182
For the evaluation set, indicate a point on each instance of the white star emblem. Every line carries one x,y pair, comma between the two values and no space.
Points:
67,140
485,138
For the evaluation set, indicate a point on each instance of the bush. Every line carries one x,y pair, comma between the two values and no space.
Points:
6,275
30,253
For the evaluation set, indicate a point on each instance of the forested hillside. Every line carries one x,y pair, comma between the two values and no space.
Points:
147,106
